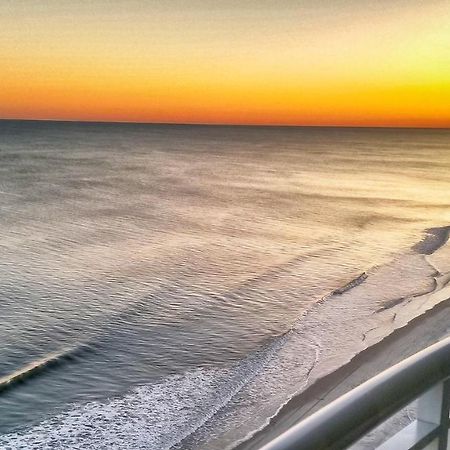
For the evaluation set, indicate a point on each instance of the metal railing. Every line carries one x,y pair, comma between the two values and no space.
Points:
424,376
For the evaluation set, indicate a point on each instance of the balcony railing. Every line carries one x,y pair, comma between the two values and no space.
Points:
424,376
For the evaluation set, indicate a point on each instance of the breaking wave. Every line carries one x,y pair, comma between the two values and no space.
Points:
50,361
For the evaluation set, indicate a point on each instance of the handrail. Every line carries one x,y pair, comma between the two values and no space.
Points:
351,416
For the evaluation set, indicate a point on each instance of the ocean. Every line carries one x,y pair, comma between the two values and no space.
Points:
172,286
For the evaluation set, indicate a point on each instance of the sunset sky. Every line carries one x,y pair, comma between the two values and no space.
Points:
305,62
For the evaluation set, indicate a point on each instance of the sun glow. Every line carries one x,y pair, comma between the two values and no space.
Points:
295,65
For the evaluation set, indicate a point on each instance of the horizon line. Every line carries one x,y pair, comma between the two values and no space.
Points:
224,124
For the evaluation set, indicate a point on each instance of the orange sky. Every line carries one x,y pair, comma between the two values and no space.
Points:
384,63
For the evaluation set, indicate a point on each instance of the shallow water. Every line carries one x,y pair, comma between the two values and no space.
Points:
154,279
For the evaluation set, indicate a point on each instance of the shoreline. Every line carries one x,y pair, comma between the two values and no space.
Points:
414,334
419,333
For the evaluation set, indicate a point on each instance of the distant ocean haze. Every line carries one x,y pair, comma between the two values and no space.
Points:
168,285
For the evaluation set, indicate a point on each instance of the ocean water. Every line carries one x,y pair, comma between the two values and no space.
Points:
173,286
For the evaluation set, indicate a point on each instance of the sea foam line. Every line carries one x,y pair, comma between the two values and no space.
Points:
146,417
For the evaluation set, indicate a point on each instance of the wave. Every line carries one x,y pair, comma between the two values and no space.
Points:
157,416
39,366
150,417
355,282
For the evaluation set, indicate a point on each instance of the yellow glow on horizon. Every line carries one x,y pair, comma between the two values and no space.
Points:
204,67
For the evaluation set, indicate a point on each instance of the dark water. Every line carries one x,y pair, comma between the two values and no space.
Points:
149,273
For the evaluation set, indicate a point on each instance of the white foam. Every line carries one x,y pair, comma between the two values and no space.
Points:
150,417
154,416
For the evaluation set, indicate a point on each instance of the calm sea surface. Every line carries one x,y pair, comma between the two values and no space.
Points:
151,275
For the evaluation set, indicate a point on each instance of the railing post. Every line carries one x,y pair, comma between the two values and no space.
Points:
444,420
429,409
433,407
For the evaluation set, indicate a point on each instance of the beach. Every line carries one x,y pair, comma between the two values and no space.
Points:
419,333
